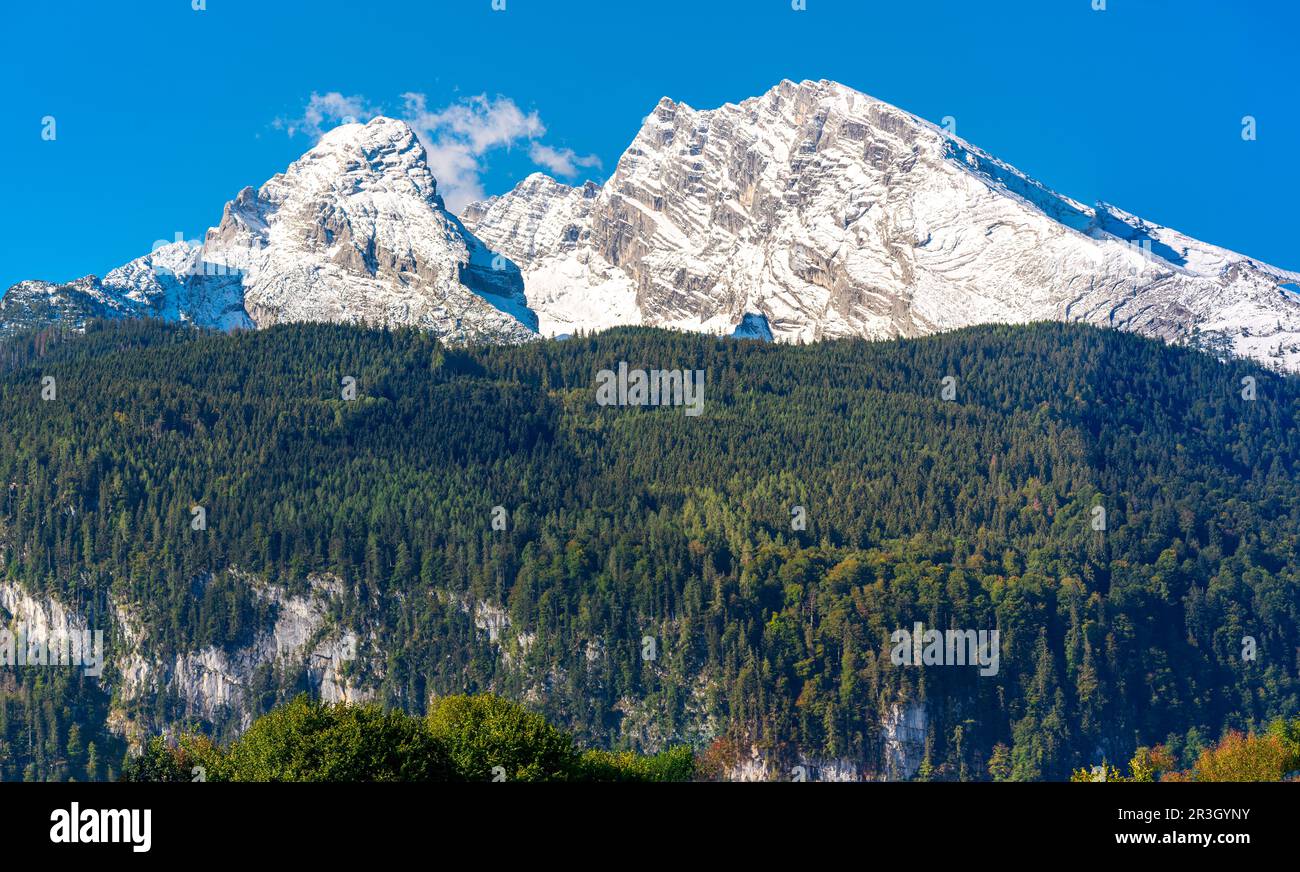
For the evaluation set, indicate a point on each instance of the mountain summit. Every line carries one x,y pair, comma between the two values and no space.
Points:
352,232
831,213
811,212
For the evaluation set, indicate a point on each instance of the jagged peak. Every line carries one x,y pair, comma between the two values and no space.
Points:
383,153
540,180
381,147
379,135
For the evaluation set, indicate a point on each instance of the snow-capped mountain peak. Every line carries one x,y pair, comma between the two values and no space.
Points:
810,212
353,231
832,213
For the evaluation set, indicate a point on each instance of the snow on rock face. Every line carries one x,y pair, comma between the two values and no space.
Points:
353,232
175,283
544,223
833,214
819,209
39,304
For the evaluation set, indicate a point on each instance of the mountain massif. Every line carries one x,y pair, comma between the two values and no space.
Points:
321,453
833,214
812,212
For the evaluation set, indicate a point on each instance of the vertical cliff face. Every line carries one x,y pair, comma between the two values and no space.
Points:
834,214
300,648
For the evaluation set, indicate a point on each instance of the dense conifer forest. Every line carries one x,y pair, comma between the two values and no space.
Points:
654,585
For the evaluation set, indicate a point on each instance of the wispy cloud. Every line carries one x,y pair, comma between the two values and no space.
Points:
561,161
457,137
480,122
324,111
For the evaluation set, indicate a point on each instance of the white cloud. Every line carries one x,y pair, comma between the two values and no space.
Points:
560,161
325,111
457,170
479,122
456,136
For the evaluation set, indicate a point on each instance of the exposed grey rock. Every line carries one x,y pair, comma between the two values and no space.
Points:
833,214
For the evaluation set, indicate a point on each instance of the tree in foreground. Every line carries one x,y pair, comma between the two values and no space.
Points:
464,738
490,738
1270,756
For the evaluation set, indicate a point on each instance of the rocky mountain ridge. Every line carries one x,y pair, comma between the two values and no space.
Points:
830,213
811,212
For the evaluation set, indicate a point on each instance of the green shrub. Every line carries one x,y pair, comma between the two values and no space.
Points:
464,738
675,764
484,732
312,741
157,761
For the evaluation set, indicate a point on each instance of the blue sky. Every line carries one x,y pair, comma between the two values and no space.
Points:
162,113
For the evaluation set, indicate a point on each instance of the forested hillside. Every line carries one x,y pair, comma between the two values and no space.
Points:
648,587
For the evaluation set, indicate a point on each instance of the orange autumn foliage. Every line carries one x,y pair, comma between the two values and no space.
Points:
1239,757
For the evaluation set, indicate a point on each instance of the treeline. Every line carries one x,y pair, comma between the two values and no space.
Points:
652,582
1272,755
464,738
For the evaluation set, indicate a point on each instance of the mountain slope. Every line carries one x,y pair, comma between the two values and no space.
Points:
352,232
350,547
834,214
